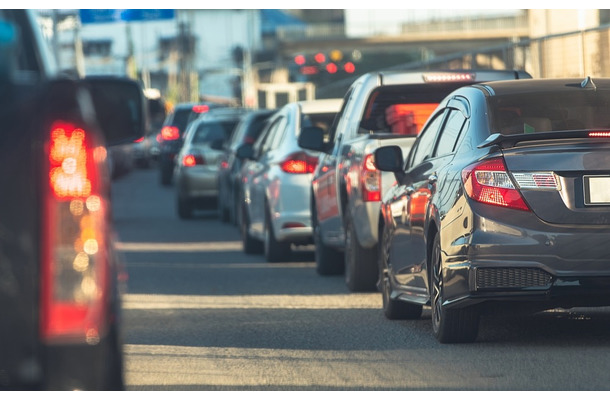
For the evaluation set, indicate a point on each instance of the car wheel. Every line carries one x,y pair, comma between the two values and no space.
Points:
223,212
328,260
250,244
275,251
185,208
361,270
459,325
393,309
114,380
166,176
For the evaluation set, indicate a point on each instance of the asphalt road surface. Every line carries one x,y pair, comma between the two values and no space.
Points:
200,315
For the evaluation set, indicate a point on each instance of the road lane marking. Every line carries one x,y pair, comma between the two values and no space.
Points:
178,247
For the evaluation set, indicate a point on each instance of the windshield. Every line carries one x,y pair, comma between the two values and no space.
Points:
550,111
207,132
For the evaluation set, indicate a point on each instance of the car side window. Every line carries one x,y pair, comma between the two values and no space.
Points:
426,140
450,133
279,130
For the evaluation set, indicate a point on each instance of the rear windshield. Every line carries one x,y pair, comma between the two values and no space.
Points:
403,109
550,111
180,118
207,132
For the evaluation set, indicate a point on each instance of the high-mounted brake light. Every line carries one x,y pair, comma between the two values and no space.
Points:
170,133
201,108
74,262
371,180
449,77
599,134
299,163
488,182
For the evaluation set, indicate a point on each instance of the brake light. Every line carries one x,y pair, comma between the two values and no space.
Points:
74,270
140,140
599,134
201,108
488,182
449,77
190,160
170,133
299,163
371,180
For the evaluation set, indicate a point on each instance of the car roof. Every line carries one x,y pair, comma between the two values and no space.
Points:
398,77
502,88
320,106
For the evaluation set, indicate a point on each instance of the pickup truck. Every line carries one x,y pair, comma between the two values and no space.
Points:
379,109
60,275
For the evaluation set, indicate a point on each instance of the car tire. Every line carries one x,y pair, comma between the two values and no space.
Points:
459,325
393,309
274,250
250,244
114,380
185,208
361,272
166,176
328,260
223,212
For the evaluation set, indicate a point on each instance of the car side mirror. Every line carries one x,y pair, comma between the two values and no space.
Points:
245,152
120,107
390,159
312,138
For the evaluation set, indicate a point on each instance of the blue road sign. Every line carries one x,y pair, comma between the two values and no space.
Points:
95,16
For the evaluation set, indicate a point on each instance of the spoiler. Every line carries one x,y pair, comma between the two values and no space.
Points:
508,141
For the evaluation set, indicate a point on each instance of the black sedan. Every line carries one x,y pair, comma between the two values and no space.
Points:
504,200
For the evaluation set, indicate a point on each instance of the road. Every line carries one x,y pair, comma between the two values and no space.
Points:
200,315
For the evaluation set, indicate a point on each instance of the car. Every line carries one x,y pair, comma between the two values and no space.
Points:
276,180
229,175
145,150
387,107
61,276
501,204
197,166
172,134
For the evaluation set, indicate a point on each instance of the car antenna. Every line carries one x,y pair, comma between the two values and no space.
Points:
588,83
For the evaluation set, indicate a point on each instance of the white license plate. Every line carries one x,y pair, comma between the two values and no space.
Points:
597,190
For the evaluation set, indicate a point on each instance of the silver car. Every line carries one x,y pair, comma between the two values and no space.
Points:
276,180
196,169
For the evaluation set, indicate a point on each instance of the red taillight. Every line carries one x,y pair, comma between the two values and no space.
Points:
140,140
201,108
599,134
190,160
488,182
73,271
170,133
371,180
299,163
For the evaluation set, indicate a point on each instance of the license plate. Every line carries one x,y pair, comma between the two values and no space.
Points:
597,190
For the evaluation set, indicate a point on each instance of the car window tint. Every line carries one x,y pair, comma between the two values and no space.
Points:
425,143
208,132
450,133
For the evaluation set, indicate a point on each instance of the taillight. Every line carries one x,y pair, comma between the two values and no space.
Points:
603,134
488,182
170,133
140,140
74,263
299,163
201,108
371,180
190,160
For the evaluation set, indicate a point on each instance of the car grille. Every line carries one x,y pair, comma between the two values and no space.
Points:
512,278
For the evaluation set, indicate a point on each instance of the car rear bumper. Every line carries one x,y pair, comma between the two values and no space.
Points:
513,256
